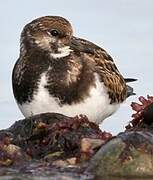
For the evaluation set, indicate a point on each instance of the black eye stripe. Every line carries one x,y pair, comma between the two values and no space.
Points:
54,32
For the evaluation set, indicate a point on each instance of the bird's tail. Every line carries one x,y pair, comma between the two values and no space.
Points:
128,80
130,90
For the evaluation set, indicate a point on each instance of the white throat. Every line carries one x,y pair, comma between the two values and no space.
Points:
63,52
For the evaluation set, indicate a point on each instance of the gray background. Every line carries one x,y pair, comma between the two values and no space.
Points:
123,27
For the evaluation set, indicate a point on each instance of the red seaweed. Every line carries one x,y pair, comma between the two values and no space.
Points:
143,113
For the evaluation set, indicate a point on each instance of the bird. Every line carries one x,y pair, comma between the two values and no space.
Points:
58,72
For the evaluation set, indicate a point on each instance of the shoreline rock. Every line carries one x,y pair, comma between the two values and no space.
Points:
55,145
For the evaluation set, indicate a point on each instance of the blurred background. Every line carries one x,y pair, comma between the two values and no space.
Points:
123,27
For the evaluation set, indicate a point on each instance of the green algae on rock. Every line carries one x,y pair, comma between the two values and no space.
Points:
129,154
75,148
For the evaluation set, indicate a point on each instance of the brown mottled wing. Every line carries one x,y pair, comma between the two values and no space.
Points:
107,70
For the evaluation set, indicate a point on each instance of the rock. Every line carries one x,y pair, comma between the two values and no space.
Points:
12,155
124,157
129,154
52,136
72,161
54,145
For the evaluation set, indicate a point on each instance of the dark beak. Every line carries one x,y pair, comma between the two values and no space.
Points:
75,44
80,45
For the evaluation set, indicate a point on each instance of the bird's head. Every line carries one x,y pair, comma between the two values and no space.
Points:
50,33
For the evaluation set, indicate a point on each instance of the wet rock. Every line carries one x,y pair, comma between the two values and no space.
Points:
129,154
52,136
49,145
10,154
54,145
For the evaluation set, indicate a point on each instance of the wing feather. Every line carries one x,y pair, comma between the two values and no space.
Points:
106,68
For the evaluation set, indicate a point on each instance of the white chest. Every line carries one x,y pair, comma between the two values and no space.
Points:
97,106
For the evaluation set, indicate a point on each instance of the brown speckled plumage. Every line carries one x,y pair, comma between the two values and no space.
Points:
107,70
69,63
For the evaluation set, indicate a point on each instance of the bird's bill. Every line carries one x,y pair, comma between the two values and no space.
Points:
75,45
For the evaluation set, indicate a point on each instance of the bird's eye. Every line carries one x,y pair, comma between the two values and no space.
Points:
54,32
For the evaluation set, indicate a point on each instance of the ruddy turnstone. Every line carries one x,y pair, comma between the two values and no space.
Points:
57,72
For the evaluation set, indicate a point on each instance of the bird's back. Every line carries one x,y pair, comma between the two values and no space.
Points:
57,72
106,69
